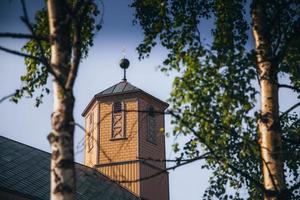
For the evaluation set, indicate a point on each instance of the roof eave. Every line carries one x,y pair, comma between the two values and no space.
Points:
98,96
83,114
165,104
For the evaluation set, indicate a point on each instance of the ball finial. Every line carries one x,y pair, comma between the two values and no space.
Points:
124,63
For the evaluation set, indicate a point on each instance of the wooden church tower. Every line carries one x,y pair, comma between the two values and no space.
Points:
125,135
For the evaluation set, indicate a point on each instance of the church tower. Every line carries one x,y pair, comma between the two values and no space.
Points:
125,138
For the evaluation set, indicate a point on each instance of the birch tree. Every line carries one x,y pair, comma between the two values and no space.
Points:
232,57
60,37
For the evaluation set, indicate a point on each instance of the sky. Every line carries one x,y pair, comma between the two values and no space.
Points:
25,123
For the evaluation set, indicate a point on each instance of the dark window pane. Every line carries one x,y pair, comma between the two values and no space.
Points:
151,111
117,107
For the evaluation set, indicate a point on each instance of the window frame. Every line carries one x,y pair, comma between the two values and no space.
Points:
151,121
121,114
90,143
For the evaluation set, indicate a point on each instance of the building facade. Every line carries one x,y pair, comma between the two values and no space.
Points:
125,139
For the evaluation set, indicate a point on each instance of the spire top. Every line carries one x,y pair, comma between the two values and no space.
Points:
124,64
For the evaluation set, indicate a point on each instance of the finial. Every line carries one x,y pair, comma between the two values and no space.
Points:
124,52
124,64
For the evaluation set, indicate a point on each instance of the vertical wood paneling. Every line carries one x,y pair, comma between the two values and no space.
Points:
123,172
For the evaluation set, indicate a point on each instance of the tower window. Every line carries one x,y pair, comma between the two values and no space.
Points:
90,144
151,124
118,121
91,118
117,107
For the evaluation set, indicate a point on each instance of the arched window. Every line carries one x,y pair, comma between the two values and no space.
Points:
118,121
151,124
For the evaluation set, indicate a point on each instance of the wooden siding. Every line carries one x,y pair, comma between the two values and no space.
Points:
117,158
124,172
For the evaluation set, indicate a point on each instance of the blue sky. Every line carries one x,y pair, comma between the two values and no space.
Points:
27,124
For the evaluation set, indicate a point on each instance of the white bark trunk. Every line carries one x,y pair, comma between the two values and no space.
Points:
61,137
61,140
268,124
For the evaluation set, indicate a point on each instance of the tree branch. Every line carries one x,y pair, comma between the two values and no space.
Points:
218,158
289,110
270,174
76,50
163,160
76,43
78,125
294,187
30,56
203,156
24,9
6,97
43,59
76,7
289,87
23,36
289,41
21,54
276,16
210,152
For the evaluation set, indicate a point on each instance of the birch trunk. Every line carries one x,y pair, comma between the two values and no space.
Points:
268,124
61,137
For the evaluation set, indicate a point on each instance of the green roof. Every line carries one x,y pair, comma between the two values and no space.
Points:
25,171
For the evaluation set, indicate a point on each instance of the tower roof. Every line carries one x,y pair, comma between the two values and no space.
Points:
121,88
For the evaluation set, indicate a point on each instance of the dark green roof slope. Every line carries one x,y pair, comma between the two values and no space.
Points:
121,87
25,171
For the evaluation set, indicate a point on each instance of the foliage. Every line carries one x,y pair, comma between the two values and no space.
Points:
37,72
216,93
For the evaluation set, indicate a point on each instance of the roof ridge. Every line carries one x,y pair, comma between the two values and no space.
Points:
114,87
126,83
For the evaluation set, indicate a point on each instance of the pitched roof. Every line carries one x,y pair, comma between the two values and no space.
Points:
123,87
26,171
